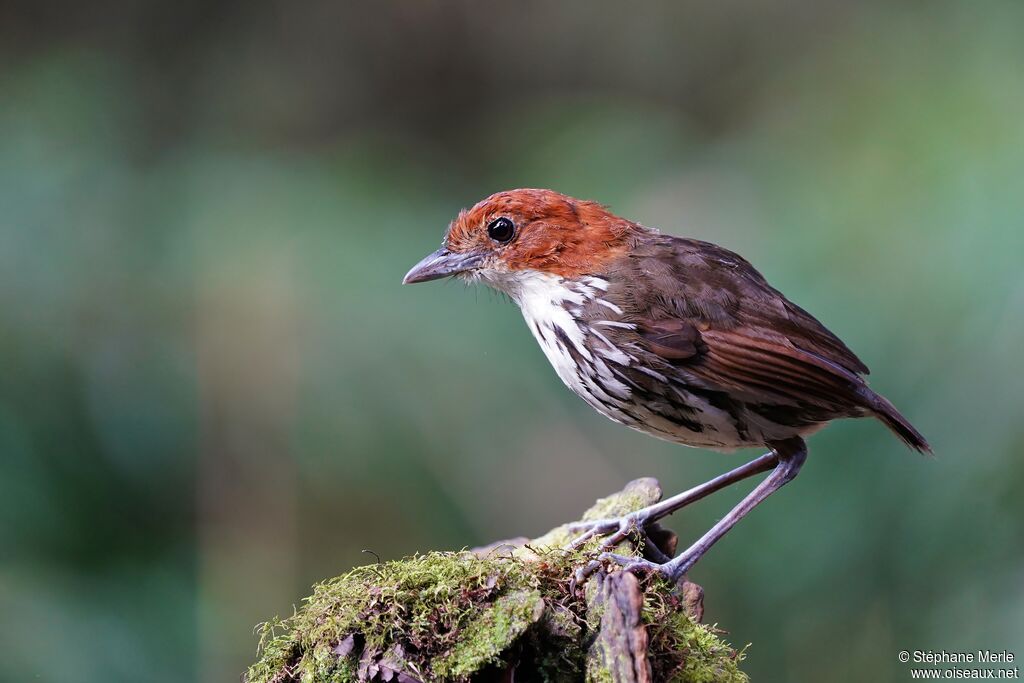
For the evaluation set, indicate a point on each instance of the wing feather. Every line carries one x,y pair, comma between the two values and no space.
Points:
710,314
716,324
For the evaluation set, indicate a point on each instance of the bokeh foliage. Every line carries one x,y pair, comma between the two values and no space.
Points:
216,392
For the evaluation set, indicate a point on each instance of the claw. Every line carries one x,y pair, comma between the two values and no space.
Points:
579,541
640,567
599,527
582,574
616,530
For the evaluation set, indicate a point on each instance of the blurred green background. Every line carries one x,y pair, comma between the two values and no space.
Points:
215,391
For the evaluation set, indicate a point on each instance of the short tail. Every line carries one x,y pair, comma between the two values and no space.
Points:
887,413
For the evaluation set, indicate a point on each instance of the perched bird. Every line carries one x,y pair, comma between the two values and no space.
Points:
678,338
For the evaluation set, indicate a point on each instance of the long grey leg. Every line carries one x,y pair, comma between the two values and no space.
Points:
639,519
791,454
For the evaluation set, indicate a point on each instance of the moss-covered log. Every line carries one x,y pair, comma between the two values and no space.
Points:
508,612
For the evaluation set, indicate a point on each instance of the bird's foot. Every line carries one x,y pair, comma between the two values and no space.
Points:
673,570
635,565
615,530
637,526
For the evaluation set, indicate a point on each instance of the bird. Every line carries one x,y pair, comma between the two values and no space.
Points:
678,338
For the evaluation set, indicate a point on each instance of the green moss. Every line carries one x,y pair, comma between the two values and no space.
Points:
430,605
683,651
490,634
597,673
558,644
454,616
638,494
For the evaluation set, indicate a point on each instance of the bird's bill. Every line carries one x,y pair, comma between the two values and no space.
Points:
442,263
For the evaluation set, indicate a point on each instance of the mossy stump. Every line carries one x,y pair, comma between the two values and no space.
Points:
508,612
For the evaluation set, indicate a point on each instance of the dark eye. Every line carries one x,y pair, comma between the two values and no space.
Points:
501,230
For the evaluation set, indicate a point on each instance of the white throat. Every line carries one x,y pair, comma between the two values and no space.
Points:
553,309
550,304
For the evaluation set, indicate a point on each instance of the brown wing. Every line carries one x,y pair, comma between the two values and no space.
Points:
673,339
789,384
709,313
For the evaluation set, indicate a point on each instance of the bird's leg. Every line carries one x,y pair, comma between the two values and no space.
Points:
618,529
791,457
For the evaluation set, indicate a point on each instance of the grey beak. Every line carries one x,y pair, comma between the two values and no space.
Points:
442,263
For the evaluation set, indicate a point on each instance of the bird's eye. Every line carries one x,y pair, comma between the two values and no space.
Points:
501,230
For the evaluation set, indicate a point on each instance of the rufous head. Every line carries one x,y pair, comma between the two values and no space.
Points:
521,231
